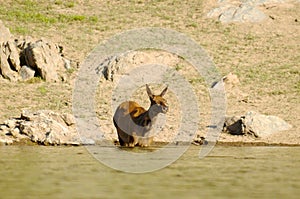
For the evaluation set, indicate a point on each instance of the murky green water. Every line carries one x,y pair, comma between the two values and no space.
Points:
228,172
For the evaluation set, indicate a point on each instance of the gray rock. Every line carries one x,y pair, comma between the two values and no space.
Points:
26,73
243,13
255,124
87,141
240,11
264,125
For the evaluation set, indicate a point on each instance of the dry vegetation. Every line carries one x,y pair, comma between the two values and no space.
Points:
265,56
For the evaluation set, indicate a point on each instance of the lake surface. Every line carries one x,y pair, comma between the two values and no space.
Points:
227,172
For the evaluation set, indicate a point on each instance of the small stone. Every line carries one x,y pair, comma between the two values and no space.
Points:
69,119
15,132
6,140
26,73
10,123
67,63
3,127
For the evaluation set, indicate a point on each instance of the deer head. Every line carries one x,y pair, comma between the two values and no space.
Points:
158,103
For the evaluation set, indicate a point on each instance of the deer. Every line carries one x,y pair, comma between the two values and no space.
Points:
134,123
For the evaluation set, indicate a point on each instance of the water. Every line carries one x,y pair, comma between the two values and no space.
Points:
228,172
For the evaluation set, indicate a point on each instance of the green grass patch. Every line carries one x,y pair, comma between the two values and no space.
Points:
22,30
34,80
42,89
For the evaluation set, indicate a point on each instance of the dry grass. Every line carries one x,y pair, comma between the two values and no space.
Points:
265,56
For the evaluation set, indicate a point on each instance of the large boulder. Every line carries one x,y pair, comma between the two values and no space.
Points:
264,125
45,58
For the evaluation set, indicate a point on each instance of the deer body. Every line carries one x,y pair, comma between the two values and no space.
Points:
134,123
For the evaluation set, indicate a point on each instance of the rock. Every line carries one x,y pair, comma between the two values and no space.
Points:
44,57
9,60
4,33
240,11
234,125
199,140
68,119
109,67
255,124
15,132
5,69
67,63
26,73
243,13
13,54
43,127
263,125
10,124
6,140
87,141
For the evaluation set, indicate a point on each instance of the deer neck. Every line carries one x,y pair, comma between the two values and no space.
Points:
147,118
144,119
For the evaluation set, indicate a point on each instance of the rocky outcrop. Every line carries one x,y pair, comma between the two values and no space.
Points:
25,58
42,127
255,124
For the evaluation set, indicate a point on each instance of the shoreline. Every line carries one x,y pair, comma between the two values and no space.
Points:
106,143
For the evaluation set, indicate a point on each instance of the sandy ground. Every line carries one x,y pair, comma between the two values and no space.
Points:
264,56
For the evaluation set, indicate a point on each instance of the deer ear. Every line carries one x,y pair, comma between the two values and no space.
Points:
149,92
164,92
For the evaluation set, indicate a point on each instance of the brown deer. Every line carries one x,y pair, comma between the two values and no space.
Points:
134,123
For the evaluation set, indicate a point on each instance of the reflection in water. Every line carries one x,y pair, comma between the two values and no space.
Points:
240,172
